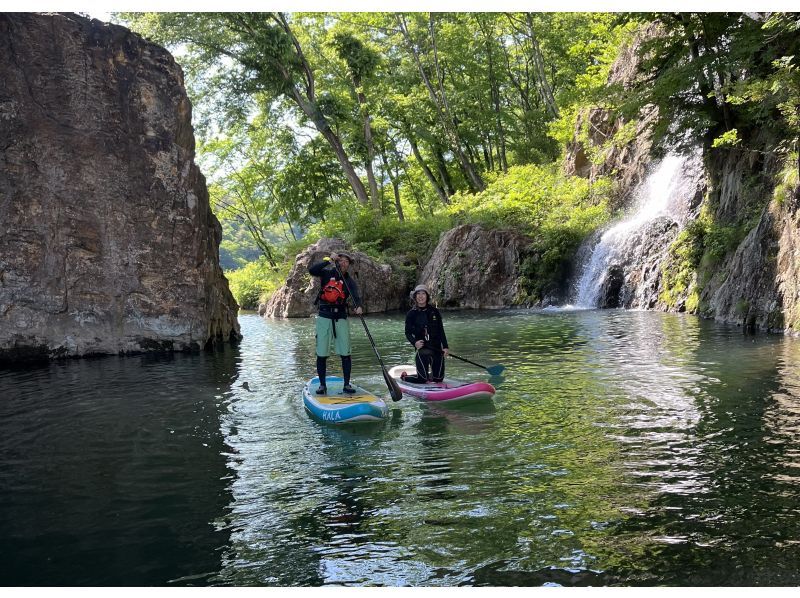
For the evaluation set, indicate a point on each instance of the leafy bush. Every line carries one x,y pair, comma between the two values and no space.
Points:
678,271
255,282
555,211
384,238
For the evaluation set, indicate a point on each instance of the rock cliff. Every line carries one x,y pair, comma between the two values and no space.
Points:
382,288
108,242
475,268
757,285
608,145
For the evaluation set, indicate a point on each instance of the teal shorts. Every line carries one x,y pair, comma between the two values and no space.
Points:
341,341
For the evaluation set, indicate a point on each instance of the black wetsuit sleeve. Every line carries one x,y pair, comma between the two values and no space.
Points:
410,327
318,268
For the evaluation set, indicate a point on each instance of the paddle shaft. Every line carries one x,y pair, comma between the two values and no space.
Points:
493,370
468,361
394,389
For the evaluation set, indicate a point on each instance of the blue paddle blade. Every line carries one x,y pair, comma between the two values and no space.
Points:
495,370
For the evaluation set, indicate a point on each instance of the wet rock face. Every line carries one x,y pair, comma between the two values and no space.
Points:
758,286
382,288
107,240
475,268
613,286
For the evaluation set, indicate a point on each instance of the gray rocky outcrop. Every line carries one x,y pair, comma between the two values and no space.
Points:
626,163
107,240
475,268
382,287
758,284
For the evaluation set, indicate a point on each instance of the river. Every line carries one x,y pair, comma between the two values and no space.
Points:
623,448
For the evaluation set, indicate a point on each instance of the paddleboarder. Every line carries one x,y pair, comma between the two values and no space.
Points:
331,324
424,330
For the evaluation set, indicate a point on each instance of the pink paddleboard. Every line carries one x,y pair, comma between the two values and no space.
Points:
447,390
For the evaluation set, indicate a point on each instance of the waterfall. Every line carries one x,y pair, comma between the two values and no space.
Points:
616,264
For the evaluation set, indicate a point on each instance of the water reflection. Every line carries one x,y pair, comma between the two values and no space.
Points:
112,470
782,414
627,448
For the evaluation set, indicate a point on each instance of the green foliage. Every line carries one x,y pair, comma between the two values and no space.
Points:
727,139
236,248
678,271
554,211
741,308
255,282
360,59
591,88
719,241
694,255
386,239
788,178
719,77
284,104
531,197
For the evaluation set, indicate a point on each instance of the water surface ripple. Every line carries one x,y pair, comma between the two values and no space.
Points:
622,448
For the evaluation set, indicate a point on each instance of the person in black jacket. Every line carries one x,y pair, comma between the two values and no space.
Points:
332,324
425,331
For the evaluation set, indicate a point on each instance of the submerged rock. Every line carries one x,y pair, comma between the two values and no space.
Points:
108,242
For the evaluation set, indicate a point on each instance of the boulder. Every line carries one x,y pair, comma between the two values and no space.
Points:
107,241
382,287
475,268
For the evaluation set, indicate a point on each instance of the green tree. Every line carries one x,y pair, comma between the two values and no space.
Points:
262,60
361,63
421,42
711,73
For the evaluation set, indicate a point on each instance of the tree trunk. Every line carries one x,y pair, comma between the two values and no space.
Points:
395,185
440,191
541,77
524,90
368,165
469,169
488,157
705,84
440,101
441,166
494,89
307,103
320,122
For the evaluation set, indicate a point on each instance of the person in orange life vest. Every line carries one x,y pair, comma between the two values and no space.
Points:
424,330
332,321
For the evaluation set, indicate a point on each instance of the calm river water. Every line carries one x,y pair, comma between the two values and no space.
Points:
622,448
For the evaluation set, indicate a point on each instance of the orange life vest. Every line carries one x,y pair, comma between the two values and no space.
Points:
333,291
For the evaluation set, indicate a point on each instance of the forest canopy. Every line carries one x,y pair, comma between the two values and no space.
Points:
344,124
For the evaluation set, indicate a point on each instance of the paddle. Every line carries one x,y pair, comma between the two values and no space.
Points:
394,389
493,370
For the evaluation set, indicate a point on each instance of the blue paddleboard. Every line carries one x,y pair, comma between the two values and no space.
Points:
337,407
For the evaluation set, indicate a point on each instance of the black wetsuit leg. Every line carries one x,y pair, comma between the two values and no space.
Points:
347,366
322,363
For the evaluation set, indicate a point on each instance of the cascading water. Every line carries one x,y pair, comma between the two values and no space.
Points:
618,265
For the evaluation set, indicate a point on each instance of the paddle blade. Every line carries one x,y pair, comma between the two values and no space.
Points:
394,388
495,370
